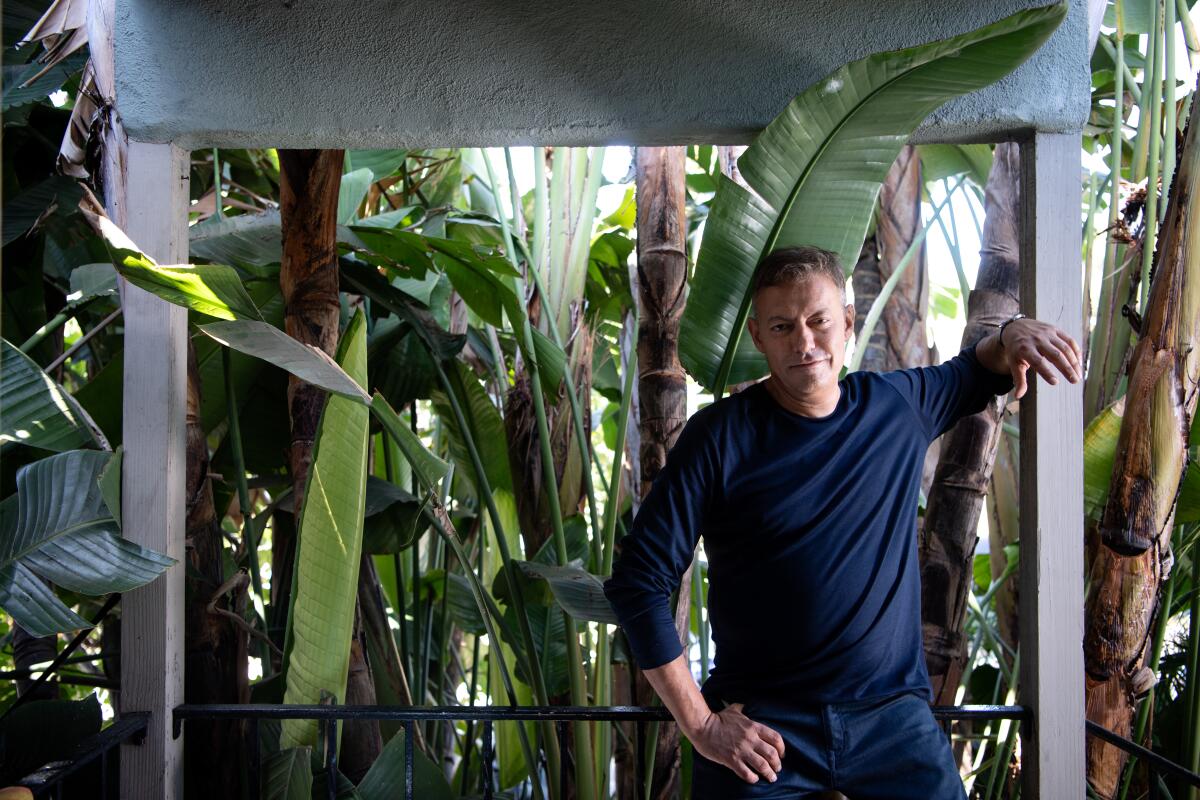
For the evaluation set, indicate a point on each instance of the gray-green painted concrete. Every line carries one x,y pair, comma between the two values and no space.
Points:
417,73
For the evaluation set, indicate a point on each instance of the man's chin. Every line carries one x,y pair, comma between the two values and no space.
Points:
809,378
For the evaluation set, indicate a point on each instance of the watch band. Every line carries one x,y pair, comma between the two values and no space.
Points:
1003,325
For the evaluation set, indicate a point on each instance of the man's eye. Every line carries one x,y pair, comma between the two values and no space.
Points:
778,327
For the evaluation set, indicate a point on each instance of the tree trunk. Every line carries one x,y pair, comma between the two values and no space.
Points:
308,196
662,386
308,277
1004,530
904,340
214,649
1128,572
900,339
948,537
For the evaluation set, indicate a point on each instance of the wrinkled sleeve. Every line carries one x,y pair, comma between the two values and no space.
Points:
943,394
660,544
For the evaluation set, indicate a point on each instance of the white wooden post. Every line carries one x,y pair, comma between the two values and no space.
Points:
1051,570
152,484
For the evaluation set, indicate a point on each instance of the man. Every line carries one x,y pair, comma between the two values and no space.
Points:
805,490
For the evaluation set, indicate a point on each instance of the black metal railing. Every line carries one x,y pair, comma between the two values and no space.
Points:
52,779
328,715
1157,764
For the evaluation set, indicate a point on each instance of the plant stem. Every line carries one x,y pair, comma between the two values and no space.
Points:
1150,216
1192,711
249,537
218,212
82,340
611,509
441,523
1170,124
1096,383
55,323
1141,144
485,491
951,237
552,324
1123,74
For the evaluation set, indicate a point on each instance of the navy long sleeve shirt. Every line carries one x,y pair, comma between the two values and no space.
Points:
809,525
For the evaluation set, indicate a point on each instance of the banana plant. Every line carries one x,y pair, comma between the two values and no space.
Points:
813,175
60,527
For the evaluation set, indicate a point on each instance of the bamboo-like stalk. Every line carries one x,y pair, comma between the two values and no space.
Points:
611,510
1123,73
1089,234
1150,217
660,291
1141,143
1110,337
1170,124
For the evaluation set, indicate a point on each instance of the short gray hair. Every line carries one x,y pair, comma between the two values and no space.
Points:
791,264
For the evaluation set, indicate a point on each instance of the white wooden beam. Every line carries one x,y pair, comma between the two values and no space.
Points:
1051,505
152,484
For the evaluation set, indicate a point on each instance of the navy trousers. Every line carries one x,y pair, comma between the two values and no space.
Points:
884,749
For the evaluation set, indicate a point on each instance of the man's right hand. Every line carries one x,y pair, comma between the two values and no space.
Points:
747,747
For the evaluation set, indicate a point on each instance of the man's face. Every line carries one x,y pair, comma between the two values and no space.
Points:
802,328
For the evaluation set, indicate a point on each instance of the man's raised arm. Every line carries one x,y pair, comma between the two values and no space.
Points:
1025,344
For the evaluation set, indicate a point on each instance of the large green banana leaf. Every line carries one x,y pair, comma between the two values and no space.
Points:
386,778
815,171
217,291
211,289
306,362
287,775
940,161
36,411
331,526
58,527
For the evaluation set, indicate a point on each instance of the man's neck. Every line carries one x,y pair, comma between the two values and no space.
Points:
811,404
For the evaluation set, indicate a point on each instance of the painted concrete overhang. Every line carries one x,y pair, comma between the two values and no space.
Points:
418,73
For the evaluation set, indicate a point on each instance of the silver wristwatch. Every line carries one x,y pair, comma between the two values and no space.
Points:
1003,325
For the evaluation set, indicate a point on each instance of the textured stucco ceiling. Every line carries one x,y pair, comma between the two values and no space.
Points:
414,73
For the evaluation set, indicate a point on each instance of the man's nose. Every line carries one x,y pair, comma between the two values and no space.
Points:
803,341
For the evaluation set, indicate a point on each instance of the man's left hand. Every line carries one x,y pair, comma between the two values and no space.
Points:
1031,344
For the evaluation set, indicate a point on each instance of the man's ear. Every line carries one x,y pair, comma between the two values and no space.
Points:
849,320
753,323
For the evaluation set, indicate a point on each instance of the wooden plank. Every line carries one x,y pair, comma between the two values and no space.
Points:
1051,573
152,483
